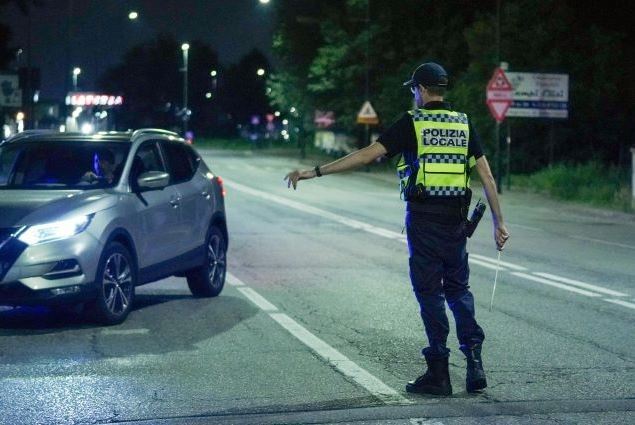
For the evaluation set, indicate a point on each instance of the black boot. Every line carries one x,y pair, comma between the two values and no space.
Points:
475,376
435,381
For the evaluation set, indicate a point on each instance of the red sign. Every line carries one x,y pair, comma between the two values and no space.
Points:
499,94
324,119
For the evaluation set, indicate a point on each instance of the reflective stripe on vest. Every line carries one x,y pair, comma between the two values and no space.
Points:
442,166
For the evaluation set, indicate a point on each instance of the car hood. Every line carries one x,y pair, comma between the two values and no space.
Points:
28,207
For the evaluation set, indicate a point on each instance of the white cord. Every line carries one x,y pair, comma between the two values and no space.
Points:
498,266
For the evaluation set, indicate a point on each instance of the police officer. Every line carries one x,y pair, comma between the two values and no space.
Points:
438,148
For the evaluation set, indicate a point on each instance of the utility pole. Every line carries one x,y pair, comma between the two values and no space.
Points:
499,159
185,47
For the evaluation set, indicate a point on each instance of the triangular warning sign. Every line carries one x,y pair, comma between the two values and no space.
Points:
499,81
367,114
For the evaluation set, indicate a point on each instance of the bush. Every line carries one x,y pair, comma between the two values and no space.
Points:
592,183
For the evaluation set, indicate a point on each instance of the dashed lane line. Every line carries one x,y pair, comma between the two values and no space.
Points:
109,331
338,360
584,285
621,302
485,264
555,284
566,284
502,263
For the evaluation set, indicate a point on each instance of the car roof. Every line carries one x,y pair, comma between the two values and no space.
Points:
110,136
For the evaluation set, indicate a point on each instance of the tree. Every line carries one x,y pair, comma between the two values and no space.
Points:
244,90
8,53
151,81
323,64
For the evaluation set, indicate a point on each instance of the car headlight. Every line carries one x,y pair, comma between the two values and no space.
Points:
56,230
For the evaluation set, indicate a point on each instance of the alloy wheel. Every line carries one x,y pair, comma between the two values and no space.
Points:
117,284
216,260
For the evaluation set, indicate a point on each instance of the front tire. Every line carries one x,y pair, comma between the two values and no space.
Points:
116,280
208,279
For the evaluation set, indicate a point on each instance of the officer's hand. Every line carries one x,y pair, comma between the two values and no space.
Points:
294,176
500,236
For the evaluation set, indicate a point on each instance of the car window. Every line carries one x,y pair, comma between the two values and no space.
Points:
7,162
147,158
63,164
182,160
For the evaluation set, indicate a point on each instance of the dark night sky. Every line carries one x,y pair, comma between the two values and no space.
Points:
101,33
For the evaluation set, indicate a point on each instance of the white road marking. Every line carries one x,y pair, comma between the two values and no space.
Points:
555,284
480,260
233,280
321,348
340,361
355,224
621,245
257,299
109,331
588,286
494,261
485,264
422,421
620,302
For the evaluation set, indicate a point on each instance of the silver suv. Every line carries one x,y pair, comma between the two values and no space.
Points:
88,218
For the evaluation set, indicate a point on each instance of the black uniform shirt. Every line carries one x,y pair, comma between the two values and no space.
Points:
400,138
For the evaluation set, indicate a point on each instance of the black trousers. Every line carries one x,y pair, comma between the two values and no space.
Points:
439,272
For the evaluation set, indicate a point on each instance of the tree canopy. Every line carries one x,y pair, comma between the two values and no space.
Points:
322,49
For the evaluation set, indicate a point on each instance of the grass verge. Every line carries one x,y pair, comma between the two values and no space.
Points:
592,183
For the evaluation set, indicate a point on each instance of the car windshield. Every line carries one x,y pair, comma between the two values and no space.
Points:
61,164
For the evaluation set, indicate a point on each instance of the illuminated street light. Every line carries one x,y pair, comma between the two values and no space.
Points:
277,113
133,15
208,95
213,73
76,72
260,72
285,122
185,47
264,1
292,110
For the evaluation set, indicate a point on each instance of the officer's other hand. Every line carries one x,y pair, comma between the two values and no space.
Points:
500,236
294,176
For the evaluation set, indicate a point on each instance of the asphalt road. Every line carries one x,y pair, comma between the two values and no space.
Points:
318,324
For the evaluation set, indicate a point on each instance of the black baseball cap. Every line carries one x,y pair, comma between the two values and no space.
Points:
428,74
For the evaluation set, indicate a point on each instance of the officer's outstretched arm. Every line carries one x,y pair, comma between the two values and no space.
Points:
489,185
349,162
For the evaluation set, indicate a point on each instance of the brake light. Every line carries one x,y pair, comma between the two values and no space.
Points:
219,179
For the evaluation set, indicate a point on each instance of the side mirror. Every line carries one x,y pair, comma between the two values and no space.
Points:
152,180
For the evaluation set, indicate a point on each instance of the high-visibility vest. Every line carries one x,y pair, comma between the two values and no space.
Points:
441,167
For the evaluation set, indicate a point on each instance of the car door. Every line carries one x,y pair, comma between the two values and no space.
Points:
158,210
193,193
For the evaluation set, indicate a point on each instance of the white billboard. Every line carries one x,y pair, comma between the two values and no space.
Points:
10,93
539,95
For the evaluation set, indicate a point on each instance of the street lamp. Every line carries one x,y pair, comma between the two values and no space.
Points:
214,73
133,15
76,72
260,72
264,1
185,47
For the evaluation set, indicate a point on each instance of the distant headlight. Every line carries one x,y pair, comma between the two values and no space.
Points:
48,232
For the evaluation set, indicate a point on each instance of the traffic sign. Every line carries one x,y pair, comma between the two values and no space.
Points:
499,94
367,114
